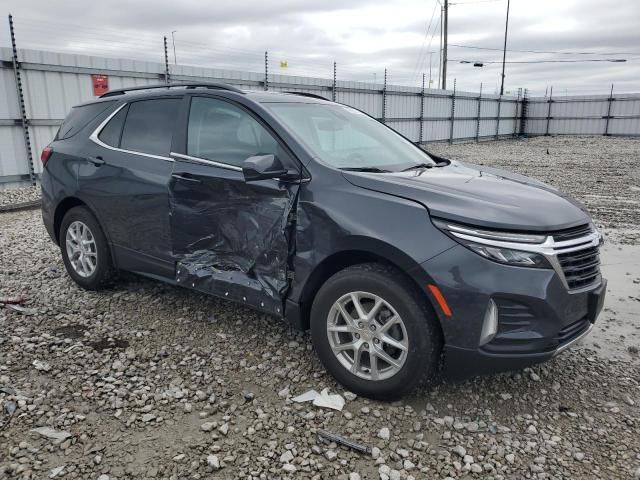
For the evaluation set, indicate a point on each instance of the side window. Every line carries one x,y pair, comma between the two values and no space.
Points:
225,133
149,126
112,131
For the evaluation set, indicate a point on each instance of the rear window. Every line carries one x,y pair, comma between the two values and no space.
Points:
80,117
149,126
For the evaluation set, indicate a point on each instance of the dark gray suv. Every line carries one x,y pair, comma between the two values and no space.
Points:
398,261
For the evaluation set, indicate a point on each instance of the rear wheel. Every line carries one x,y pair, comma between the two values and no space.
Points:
85,251
374,332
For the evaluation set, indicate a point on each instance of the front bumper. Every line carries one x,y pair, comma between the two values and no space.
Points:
538,318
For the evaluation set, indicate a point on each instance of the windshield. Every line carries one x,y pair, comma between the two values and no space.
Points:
346,138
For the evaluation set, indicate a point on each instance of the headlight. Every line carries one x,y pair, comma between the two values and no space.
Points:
501,247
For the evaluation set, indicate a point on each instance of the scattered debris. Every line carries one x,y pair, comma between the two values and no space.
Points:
20,309
56,471
72,347
58,436
340,440
15,300
213,462
41,365
322,399
10,408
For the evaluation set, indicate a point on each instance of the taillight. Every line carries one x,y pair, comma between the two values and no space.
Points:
46,153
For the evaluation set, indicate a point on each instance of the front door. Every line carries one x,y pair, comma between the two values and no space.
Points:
230,238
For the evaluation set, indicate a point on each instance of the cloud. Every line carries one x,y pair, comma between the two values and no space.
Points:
363,36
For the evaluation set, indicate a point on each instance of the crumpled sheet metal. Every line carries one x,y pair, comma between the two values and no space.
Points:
244,255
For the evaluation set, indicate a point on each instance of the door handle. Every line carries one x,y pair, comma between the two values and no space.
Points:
186,179
97,161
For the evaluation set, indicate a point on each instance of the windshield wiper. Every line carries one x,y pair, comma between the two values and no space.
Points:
420,165
365,169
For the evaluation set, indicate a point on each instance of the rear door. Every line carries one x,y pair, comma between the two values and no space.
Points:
230,238
125,178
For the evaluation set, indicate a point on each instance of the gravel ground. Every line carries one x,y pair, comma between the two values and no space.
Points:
19,195
151,381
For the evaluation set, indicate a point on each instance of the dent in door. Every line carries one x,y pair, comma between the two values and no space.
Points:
240,244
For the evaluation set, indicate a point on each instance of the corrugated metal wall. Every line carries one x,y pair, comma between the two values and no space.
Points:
584,115
54,82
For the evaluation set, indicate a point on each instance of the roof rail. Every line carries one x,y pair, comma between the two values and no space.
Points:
214,86
310,95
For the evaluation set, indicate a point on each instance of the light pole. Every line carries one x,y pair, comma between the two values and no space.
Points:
430,62
504,50
444,51
173,40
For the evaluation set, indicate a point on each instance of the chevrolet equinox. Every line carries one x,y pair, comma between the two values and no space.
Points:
401,263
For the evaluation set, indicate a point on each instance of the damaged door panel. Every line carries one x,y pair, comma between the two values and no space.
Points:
230,237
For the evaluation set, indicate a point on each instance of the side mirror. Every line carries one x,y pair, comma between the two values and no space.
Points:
262,167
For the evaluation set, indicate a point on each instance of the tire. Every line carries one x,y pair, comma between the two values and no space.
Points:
419,333
96,250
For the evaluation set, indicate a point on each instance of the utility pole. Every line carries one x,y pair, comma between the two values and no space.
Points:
173,40
440,51
444,51
504,51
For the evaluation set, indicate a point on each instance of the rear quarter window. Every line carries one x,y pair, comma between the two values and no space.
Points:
80,117
112,131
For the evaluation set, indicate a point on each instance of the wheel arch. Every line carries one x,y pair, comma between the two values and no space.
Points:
342,259
61,210
67,204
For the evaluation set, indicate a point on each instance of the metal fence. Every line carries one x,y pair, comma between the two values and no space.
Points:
611,114
51,83
37,89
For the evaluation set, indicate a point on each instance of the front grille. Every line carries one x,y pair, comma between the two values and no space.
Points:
572,331
581,268
571,233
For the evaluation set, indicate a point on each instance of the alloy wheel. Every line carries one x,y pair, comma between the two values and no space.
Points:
81,249
367,336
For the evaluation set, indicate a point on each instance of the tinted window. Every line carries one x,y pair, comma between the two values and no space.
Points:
149,126
79,117
110,134
225,133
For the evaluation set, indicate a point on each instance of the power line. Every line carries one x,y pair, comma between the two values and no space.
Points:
614,60
426,34
542,51
475,1
429,47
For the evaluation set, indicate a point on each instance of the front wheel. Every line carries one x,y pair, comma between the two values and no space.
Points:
374,332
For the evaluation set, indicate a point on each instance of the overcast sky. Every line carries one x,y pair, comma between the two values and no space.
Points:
362,36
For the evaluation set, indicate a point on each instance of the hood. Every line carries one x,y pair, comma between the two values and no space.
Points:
481,196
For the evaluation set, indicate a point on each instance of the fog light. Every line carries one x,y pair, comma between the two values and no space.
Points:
490,325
